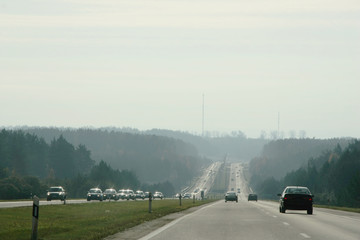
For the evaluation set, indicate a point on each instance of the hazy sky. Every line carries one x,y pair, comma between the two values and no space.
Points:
147,63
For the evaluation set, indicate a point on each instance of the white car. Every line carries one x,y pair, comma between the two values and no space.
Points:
158,195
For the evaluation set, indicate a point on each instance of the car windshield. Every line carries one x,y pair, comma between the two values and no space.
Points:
109,191
55,189
95,191
231,193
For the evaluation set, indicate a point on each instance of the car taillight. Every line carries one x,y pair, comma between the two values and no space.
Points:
310,199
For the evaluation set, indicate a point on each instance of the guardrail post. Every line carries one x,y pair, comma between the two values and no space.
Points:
193,198
35,214
180,199
150,200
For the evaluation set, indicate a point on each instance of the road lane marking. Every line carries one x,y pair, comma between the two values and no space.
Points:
163,228
285,223
305,235
274,216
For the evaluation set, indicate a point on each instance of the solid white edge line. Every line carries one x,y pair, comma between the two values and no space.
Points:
166,226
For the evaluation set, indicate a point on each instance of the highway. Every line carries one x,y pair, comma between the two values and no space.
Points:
258,220
243,220
205,181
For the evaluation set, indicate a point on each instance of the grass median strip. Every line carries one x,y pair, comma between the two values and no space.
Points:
88,221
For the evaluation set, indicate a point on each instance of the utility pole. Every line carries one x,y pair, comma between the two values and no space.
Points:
278,132
203,110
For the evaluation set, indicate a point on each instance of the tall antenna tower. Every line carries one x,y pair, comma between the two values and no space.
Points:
203,110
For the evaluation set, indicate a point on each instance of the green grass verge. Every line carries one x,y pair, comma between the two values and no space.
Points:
88,221
348,209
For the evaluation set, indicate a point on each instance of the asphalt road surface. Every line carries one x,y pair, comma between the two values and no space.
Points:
260,220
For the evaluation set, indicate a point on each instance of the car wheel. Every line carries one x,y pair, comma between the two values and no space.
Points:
310,211
283,210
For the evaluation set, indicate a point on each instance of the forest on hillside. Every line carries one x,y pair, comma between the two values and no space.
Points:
284,155
333,177
152,158
29,165
235,145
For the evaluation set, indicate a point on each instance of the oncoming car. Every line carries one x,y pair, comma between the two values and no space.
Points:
231,196
187,196
139,194
296,198
56,193
110,194
95,194
158,195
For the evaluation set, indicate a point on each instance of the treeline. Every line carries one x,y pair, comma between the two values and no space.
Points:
26,154
282,156
28,166
333,177
152,158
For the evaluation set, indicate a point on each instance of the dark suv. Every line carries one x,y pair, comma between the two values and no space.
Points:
56,193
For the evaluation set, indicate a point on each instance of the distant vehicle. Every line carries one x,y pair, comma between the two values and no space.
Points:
147,194
252,197
187,196
57,192
139,195
121,194
177,195
110,194
231,196
158,195
129,194
238,190
95,194
296,198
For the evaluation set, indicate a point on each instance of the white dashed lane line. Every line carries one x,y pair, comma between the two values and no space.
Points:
286,224
305,235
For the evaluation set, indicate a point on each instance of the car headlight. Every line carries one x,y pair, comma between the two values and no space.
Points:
89,195
48,193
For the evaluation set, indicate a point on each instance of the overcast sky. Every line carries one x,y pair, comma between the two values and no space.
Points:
147,63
